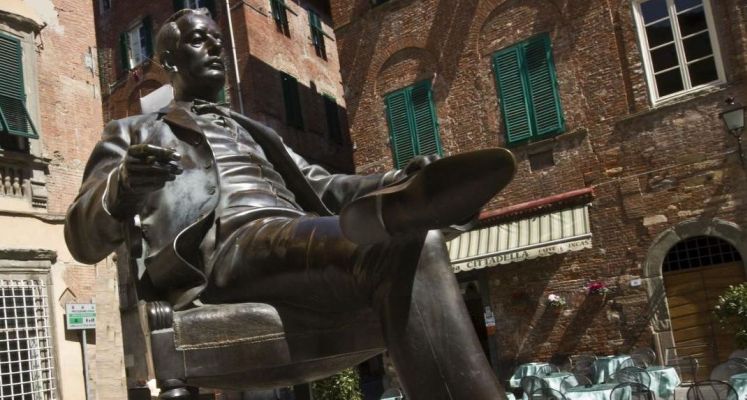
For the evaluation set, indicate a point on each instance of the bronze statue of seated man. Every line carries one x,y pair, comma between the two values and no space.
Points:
226,213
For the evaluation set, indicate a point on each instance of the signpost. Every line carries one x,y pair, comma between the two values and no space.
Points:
82,316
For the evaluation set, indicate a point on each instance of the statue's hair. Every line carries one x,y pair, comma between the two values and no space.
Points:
168,35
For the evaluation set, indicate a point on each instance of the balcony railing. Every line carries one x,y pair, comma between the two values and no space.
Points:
14,181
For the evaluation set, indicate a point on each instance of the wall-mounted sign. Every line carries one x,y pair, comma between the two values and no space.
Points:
80,316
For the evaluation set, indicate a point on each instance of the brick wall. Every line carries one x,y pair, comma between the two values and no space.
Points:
651,167
262,53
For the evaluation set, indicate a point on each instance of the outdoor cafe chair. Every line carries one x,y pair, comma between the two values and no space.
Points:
584,364
630,362
631,391
547,394
633,375
574,380
711,390
563,361
530,384
644,356
547,369
726,370
686,366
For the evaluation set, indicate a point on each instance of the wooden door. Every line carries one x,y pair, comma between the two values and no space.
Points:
692,294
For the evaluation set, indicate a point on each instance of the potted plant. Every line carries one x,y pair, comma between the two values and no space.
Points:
731,312
555,301
597,288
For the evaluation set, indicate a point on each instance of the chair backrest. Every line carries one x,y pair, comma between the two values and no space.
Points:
686,366
547,369
643,355
563,361
633,375
631,391
724,371
574,380
711,390
529,384
630,362
739,354
583,364
547,394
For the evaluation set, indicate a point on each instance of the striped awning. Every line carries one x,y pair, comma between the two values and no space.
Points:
538,236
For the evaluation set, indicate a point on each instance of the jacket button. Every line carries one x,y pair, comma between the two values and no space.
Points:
211,189
208,165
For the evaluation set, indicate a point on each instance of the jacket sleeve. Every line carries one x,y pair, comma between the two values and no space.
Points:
91,232
336,190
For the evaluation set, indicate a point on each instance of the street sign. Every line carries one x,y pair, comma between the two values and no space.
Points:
80,316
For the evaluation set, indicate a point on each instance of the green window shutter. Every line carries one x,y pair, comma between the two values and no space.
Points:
124,52
512,91
14,117
293,112
400,130
148,28
424,118
545,100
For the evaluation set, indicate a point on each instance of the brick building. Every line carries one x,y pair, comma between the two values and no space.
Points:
626,174
288,67
50,118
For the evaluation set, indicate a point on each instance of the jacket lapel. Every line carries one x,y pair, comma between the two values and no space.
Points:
184,126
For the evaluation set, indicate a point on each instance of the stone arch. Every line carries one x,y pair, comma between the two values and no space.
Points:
405,67
531,16
652,268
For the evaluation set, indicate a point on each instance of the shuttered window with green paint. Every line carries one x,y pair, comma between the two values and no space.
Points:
528,90
413,129
293,113
317,34
14,118
280,16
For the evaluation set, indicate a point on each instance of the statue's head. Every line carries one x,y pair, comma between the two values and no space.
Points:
190,46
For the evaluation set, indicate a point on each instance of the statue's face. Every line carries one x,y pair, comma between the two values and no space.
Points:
198,57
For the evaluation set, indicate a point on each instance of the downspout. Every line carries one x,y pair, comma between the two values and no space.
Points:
234,59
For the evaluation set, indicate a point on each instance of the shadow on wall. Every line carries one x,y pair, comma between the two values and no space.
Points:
322,136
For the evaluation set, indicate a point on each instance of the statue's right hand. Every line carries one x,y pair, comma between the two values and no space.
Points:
147,168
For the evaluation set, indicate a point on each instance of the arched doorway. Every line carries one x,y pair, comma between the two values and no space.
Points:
696,271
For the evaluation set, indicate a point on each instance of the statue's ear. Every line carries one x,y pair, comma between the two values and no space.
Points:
167,61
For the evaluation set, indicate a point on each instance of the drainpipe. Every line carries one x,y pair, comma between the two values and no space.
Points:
234,58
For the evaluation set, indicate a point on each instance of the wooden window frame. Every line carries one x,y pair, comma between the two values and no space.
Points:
679,47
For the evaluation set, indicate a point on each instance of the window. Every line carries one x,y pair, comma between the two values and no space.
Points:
680,50
105,5
15,124
195,4
26,353
136,45
280,16
333,119
317,34
293,113
528,90
413,129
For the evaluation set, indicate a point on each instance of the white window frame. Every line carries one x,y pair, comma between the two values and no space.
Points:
678,42
136,55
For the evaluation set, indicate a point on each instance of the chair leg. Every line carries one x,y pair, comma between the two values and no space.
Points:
175,389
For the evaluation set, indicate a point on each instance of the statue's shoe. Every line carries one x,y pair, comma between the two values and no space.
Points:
445,192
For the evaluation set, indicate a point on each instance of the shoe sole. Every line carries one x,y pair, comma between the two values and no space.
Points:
446,192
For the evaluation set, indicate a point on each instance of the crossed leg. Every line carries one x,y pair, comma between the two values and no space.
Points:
306,263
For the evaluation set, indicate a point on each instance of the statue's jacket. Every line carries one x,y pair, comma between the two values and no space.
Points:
174,219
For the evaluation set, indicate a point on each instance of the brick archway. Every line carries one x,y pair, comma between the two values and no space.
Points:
652,268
